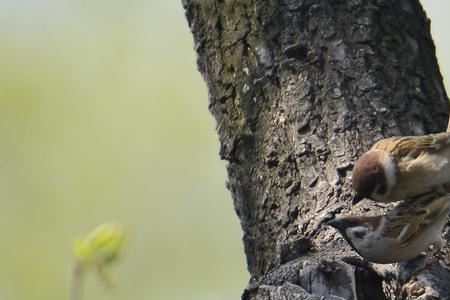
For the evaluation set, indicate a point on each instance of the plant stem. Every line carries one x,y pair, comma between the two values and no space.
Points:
75,283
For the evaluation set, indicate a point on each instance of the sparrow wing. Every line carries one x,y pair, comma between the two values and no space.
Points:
410,217
402,147
403,227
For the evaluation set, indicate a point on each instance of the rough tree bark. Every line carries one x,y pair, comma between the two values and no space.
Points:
299,89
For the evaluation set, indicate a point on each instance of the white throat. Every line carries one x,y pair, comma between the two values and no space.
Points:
390,170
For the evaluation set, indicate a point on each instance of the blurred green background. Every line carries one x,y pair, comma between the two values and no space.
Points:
104,117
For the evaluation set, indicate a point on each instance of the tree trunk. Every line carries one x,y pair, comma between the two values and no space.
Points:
299,89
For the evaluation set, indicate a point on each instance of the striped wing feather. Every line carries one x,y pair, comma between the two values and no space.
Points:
410,217
411,147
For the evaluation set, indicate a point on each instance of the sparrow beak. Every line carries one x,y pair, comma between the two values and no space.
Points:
336,223
356,198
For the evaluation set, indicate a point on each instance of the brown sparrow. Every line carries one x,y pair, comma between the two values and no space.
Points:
402,234
403,167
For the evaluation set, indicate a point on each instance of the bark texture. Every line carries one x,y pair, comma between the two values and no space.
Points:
299,90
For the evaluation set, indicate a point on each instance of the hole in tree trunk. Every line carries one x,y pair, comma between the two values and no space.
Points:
368,284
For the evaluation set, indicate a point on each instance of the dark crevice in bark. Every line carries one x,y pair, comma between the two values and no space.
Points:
299,89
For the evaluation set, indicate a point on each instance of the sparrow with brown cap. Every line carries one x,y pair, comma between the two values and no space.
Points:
403,167
402,234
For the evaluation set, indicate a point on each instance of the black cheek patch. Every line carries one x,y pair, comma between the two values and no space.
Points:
359,234
382,188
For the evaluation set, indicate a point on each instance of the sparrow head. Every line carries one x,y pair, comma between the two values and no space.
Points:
373,176
350,228
357,231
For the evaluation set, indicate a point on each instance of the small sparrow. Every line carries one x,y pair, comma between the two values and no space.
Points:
401,234
403,167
